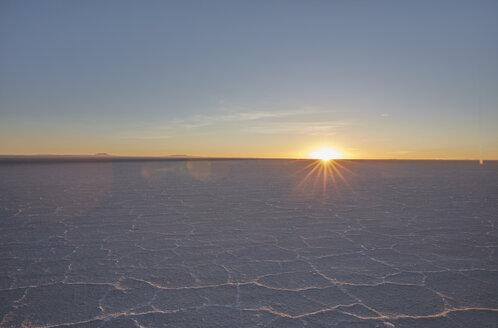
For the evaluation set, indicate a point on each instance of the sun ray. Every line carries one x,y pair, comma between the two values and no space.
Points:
310,173
323,171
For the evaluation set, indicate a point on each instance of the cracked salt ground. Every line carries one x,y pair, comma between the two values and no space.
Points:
252,244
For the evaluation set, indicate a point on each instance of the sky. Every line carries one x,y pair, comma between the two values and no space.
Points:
370,79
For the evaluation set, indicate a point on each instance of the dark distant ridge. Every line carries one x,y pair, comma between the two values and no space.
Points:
101,157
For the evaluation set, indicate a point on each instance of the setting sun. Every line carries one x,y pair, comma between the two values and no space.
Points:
325,154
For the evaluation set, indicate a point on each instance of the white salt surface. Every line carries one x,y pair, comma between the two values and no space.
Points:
249,243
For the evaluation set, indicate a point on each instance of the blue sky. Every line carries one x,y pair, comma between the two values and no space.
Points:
374,79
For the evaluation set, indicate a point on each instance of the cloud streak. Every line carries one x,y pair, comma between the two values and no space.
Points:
323,128
196,121
304,121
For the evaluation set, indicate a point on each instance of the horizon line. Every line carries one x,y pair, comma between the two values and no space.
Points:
102,157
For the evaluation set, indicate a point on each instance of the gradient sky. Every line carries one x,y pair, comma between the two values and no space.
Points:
372,79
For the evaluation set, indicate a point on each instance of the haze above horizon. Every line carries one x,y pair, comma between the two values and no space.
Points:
276,79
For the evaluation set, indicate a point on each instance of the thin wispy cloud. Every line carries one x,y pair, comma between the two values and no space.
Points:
311,121
206,120
323,128
400,152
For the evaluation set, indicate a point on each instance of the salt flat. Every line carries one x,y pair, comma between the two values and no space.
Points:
249,243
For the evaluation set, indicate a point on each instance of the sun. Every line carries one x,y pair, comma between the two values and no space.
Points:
325,154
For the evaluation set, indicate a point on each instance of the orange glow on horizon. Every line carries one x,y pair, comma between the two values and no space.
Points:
325,154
